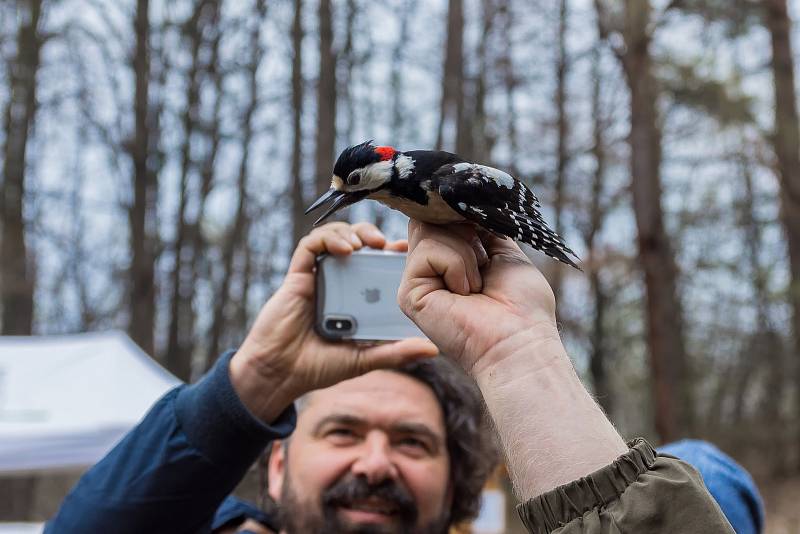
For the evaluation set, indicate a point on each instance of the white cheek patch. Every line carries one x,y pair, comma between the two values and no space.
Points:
374,176
489,173
337,183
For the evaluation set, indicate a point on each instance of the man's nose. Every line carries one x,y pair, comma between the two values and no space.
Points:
375,462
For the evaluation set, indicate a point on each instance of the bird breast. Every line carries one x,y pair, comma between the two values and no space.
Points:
437,211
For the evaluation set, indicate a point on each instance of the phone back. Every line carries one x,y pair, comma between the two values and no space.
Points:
357,297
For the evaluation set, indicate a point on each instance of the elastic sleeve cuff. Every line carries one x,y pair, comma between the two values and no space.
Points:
556,508
219,425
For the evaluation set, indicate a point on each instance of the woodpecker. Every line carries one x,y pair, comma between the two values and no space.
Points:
439,187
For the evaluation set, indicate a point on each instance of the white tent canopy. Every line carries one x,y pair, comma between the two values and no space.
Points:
66,400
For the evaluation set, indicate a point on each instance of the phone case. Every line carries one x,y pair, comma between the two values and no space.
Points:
357,297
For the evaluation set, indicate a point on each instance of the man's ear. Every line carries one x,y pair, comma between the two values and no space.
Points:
276,470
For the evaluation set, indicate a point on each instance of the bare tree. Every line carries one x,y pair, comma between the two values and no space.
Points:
348,58
481,139
786,142
204,20
452,132
765,347
510,82
326,100
406,8
599,353
562,133
17,276
142,212
237,236
299,225
16,271
665,337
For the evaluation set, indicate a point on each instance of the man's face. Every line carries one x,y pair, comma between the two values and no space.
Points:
369,455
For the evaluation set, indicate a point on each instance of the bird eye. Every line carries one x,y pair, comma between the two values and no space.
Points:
354,178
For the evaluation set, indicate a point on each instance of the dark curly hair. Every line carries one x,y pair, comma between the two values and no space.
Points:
471,444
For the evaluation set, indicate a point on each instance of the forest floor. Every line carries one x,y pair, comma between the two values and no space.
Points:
782,502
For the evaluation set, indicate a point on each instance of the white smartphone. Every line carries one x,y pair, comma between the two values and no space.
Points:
357,297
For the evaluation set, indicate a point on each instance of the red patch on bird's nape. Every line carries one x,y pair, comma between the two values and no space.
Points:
385,152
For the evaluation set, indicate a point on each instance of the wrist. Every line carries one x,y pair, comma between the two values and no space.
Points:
535,347
262,386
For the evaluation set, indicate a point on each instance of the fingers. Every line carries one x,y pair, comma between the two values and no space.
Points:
508,249
467,231
454,254
337,238
369,234
392,355
397,246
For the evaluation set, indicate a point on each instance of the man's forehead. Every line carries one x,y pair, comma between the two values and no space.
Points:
378,394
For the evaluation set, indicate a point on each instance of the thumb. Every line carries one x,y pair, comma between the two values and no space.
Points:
393,355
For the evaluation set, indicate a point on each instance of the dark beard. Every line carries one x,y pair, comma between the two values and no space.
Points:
298,517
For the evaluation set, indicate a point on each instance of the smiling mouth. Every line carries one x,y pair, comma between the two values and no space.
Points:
375,509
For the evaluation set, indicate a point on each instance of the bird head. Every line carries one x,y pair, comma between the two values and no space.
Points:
360,171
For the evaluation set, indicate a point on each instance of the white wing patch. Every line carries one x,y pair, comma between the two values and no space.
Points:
458,167
496,175
404,165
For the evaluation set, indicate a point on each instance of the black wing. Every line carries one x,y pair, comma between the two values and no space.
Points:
498,202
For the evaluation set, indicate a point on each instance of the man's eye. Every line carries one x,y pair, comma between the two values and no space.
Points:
341,433
354,178
414,443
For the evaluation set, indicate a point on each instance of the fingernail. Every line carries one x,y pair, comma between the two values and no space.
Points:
355,240
376,233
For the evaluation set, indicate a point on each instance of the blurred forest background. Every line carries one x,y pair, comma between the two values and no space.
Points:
158,156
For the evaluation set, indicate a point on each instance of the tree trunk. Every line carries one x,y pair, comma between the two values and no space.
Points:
237,234
562,132
786,141
764,348
665,340
178,355
398,108
480,139
17,277
346,59
16,272
509,77
599,354
452,133
300,225
326,100
142,213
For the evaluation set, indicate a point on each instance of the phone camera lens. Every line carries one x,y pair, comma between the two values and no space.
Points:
339,325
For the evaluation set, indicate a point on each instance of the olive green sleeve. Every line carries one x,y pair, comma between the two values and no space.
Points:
640,492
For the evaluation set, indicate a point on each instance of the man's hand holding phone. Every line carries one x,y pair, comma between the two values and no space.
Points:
283,357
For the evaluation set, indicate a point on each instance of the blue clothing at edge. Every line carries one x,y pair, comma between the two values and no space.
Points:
174,471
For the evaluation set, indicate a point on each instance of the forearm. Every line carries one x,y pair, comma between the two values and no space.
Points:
552,431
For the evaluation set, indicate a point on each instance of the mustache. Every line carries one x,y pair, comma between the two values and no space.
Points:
351,489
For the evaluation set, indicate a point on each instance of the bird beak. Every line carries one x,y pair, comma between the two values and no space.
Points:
330,195
339,199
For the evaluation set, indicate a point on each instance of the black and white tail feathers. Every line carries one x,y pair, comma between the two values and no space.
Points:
500,203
